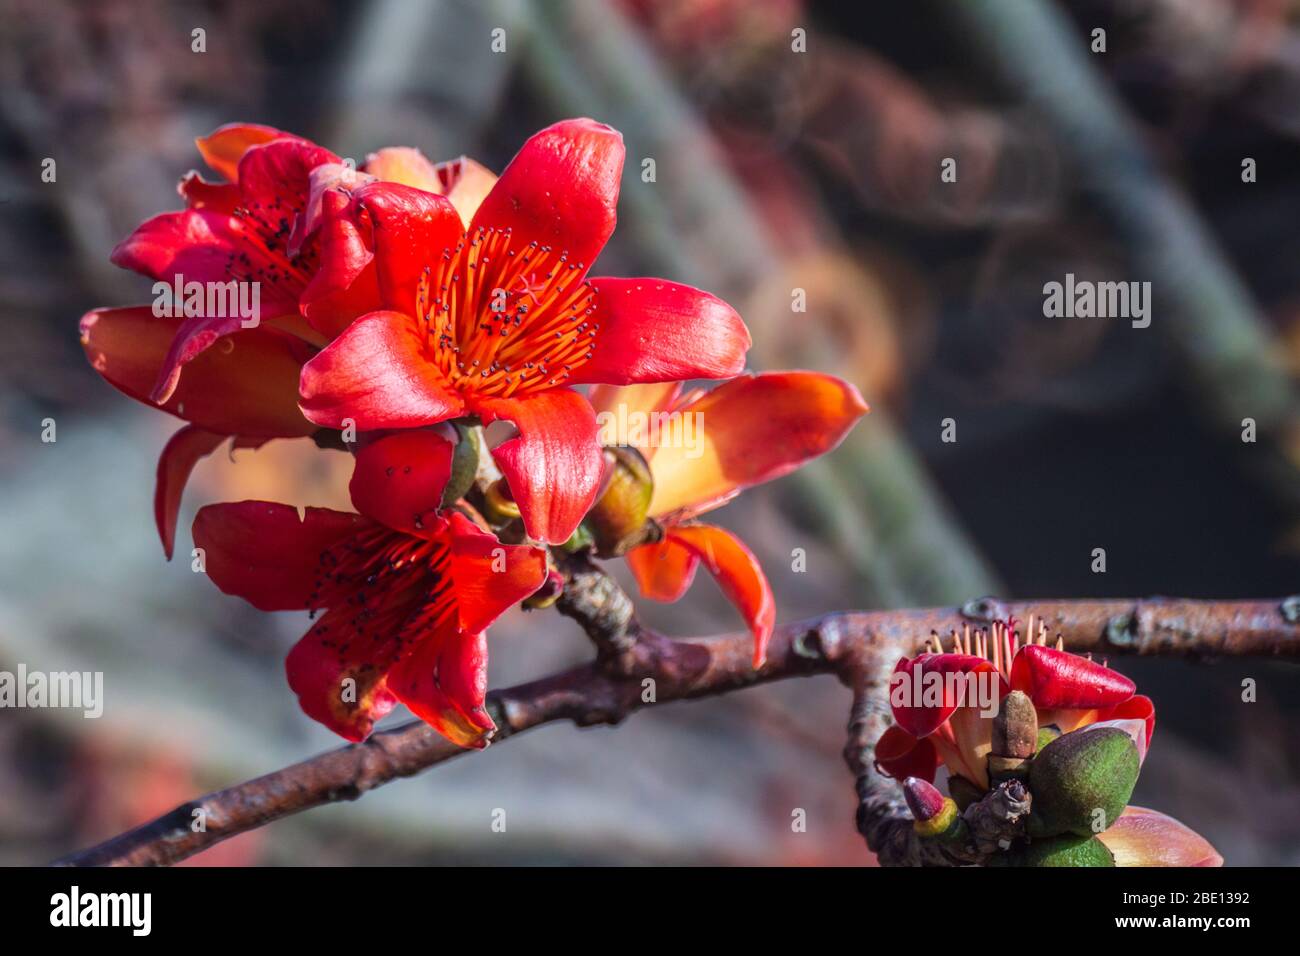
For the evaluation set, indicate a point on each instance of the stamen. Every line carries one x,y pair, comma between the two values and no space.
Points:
501,317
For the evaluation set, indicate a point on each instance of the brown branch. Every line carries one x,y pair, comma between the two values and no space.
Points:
851,644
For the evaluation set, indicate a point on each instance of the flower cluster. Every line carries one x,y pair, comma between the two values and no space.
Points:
1057,748
396,311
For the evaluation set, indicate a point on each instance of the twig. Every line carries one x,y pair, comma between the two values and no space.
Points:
658,670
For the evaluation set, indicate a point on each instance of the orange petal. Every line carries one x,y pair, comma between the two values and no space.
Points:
224,148
739,575
405,165
246,384
625,414
1142,837
467,184
746,431
663,570
181,453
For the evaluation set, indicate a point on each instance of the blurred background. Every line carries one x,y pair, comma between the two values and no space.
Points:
798,146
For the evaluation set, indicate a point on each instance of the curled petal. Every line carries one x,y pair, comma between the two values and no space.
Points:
266,553
663,570
554,465
900,755
181,453
247,386
652,330
747,431
1142,837
1138,707
198,193
922,696
399,479
374,376
490,576
444,681
739,575
223,148
345,285
1058,679
561,190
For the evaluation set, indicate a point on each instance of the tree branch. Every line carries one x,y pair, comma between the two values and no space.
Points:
858,646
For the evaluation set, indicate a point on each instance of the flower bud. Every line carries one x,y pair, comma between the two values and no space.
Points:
617,520
1082,781
499,506
464,462
1046,734
1015,726
936,815
548,593
1059,851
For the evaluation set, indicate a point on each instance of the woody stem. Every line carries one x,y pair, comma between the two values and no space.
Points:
856,645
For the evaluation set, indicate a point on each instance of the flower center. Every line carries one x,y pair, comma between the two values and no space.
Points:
381,588
265,229
502,318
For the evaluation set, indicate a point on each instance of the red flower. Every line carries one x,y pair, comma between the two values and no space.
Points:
746,431
498,321
261,225
1067,690
406,592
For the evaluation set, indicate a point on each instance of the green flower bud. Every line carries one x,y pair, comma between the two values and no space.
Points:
1046,735
1060,851
464,462
618,519
1082,781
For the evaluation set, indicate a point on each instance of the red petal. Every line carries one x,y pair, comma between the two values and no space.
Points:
412,228
490,576
223,148
215,197
554,466
339,674
750,430
1055,679
375,375
652,330
739,575
561,190
398,480
663,570
181,453
265,553
900,755
918,717
444,681
1137,707
345,284
247,386
1142,837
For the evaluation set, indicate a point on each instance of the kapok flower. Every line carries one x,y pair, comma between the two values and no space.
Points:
261,225
744,432
1067,691
407,591
497,321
